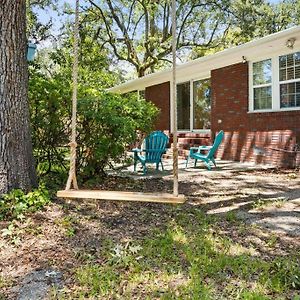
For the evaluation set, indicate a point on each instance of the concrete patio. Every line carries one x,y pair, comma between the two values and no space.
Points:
223,167
260,195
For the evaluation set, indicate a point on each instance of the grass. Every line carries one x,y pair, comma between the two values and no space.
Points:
5,283
68,224
261,204
189,259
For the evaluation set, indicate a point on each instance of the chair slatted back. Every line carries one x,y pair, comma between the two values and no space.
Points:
155,146
216,144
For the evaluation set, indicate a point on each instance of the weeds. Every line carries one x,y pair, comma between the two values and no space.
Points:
231,216
16,203
262,204
68,223
188,260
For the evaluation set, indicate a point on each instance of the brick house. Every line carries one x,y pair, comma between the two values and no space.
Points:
251,91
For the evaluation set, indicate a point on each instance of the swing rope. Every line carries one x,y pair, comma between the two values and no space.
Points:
174,101
72,172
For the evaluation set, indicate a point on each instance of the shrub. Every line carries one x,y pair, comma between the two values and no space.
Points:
16,203
107,124
50,107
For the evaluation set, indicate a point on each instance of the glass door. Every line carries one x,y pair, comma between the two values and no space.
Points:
183,106
201,104
194,105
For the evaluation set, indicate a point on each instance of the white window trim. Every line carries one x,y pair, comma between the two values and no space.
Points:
275,85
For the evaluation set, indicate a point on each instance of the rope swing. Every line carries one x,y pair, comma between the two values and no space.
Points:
174,101
117,195
72,172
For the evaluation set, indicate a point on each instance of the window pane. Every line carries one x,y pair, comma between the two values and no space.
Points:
297,58
298,88
298,100
290,94
142,94
297,72
263,98
290,73
282,75
202,104
262,72
289,66
290,60
282,61
183,106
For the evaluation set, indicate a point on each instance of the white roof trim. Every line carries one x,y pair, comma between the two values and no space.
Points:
201,67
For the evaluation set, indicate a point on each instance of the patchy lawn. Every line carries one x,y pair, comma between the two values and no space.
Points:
237,237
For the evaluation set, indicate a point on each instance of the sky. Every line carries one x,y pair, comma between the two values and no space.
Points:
58,18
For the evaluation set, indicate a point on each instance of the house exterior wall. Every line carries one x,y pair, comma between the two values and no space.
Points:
160,95
268,138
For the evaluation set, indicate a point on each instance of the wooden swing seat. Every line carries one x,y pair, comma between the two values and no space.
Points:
122,196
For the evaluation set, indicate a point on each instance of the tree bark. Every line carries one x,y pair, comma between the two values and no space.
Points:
16,159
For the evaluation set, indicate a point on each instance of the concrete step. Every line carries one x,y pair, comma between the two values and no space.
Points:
193,140
187,146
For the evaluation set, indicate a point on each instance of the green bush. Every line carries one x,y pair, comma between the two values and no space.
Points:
16,203
107,124
50,107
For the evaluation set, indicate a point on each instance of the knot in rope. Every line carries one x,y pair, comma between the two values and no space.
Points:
73,144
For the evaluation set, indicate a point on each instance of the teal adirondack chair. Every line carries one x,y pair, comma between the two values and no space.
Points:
210,150
154,146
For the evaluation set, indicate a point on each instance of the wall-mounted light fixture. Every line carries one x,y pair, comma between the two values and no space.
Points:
290,43
244,59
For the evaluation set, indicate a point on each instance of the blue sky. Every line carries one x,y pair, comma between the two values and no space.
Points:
45,15
59,17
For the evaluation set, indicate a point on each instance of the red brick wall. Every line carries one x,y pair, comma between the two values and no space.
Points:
160,96
260,137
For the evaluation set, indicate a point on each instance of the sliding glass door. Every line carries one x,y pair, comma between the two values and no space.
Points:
201,104
193,105
183,106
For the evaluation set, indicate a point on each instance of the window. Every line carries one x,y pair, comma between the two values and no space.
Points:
262,84
193,105
275,83
142,94
289,78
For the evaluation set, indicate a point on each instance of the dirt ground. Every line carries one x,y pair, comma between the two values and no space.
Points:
57,237
261,195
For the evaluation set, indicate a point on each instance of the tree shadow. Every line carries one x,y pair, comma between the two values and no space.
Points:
77,231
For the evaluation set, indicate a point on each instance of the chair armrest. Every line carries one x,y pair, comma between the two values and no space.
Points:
199,149
136,150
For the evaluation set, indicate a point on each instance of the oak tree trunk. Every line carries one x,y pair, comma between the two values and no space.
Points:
16,159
